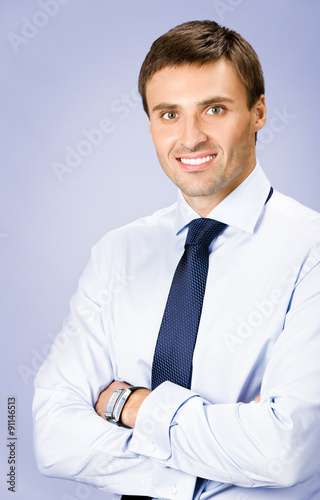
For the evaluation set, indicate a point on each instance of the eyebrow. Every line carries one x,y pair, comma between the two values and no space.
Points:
207,102
216,100
165,105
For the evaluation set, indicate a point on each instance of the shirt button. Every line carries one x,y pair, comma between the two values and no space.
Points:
151,447
174,490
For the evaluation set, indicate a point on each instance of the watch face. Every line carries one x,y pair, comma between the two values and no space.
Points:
121,401
111,403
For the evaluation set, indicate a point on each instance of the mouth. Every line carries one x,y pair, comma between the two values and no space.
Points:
196,162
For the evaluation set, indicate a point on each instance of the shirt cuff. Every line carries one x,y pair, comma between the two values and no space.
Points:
173,484
151,435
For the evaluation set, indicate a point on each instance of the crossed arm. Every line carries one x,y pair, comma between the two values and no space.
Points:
132,405
177,433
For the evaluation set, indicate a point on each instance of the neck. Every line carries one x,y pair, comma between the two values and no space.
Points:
202,205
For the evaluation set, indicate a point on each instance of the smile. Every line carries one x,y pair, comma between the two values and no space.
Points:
197,161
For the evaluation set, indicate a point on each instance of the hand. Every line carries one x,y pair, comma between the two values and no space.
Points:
131,407
257,399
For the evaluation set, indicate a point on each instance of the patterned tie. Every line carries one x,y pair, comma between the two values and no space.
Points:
178,331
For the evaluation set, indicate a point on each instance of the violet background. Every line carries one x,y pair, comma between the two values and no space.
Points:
77,69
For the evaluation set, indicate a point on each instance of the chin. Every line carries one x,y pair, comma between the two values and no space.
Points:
196,193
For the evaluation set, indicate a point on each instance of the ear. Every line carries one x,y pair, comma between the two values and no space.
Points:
259,114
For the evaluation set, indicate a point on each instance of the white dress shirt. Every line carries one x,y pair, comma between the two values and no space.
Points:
259,334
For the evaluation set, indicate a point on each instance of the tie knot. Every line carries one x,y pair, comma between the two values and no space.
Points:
202,231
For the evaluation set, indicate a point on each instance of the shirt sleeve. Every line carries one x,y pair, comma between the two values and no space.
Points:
71,441
273,443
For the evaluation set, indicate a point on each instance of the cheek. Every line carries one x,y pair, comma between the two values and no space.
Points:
233,136
163,141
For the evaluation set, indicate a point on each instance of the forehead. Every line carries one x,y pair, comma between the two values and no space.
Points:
193,83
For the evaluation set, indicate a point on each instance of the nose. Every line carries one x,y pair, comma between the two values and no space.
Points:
192,132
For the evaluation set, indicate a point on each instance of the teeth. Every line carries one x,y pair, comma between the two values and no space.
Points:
196,161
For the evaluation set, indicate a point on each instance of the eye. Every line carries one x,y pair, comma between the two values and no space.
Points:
214,110
169,115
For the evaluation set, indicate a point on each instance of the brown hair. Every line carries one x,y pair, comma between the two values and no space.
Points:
199,43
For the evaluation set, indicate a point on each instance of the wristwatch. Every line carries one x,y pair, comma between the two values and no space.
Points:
116,403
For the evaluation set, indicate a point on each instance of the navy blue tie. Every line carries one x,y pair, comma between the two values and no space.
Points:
178,331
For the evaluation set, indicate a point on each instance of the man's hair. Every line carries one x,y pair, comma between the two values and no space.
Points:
200,43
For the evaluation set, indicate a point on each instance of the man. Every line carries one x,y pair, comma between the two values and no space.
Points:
245,423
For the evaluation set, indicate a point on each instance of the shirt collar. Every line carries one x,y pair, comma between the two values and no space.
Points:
240,209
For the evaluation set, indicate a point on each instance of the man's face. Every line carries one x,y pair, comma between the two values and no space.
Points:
202,129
